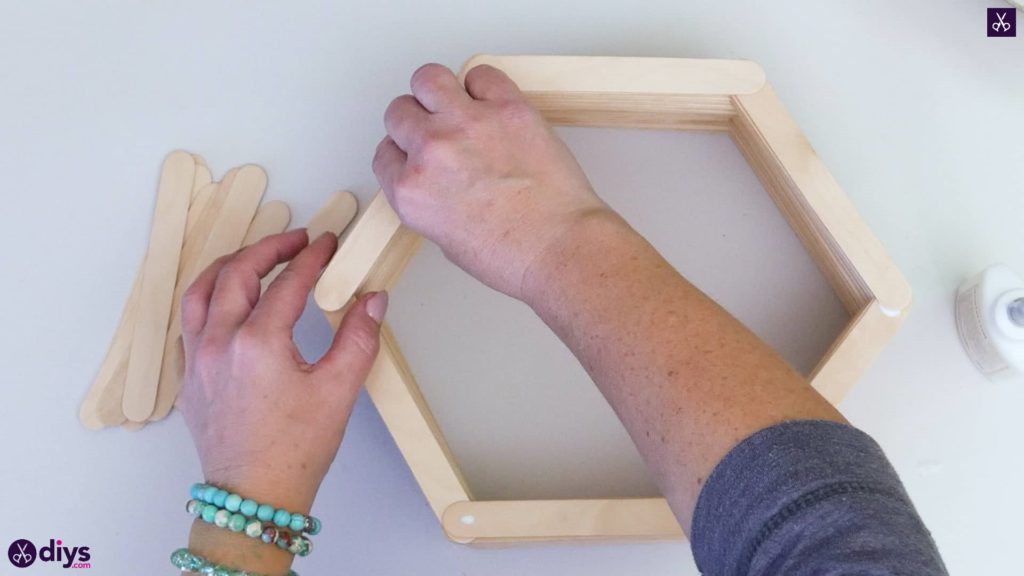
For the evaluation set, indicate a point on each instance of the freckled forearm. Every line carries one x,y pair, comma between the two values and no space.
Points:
686,378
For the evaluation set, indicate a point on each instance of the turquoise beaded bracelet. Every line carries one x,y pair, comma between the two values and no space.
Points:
251,509
295,543
189,562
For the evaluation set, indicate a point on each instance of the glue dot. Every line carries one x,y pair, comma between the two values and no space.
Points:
890,312
468,519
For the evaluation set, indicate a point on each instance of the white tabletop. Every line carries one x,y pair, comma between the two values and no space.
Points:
918,115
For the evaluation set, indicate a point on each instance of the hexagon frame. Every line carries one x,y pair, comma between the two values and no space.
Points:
681,94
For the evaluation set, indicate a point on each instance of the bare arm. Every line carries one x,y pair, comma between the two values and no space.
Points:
687,379
478,171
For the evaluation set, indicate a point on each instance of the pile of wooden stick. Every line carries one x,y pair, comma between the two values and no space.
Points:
196,221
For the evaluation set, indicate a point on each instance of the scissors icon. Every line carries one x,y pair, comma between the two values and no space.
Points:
22,557
1002,24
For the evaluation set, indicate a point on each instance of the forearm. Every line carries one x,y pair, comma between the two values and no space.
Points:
687,379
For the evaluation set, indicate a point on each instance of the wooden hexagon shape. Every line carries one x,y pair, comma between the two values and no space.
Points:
682,94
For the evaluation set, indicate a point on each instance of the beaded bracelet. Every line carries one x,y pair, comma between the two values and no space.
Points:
295,543
251,509
189,562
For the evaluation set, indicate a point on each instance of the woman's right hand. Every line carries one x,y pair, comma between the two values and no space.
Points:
478,171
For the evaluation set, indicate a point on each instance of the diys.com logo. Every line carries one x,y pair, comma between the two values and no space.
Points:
23,553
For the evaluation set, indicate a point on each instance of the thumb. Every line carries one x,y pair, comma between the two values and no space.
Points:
355,346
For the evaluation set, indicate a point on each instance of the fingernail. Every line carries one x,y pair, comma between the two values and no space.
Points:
377,305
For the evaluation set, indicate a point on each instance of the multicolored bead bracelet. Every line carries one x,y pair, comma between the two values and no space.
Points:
269,533
189,562
281,518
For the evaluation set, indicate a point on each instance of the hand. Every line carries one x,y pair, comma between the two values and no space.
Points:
478,171
267,425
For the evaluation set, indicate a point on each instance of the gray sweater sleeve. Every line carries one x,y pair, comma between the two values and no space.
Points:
809,497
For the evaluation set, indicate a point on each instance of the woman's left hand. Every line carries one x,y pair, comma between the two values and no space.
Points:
266,424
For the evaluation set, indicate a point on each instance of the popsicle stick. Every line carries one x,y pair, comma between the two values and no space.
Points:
157,291
357,256
202,179
272,218
101,406
334,216
241,200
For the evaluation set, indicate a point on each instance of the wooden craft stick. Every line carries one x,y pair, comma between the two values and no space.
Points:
524,520
202,179
227,231
102,404
623,75
157,290
357,256
271,218
334,216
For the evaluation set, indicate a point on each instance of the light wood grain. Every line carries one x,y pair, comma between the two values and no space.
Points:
626,76
496,522
334,216
101,406
271,218
241,200
357,255
854,351
157,290
826,211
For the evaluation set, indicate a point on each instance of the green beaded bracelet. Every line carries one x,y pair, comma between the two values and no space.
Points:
268,532
282,518
189,562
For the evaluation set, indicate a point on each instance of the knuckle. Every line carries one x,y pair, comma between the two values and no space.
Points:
438,149
518,111
248,338
365,340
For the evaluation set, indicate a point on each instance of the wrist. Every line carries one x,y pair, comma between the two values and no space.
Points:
293,494
568,251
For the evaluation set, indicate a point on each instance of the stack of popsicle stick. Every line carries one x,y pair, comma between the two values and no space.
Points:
196,221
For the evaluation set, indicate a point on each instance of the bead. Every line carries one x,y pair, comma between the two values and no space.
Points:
194,490
312,526
208,514
219,497
253,528
189,562
297,523
220,518
208,493
296,545
265,512
181,558
193,508
232,502
248,508
236,522
269,535
284,540
282,518
307,547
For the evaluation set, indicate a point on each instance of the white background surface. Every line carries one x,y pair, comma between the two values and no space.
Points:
916,112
